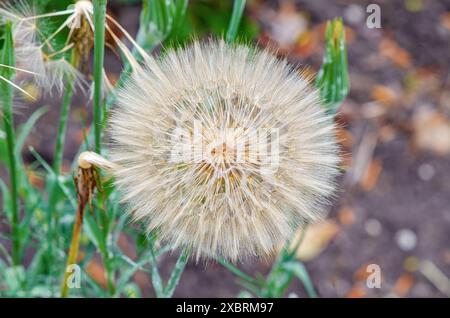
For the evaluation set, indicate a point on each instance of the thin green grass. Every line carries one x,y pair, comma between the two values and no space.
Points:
7,58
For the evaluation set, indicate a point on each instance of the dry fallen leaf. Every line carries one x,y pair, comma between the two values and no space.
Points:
431,131
361,273
445,20
317,238
96,271
384,94
403,285
345,137
346,160
35,179
373,110
387,133
357,291
391,50
370,178
362,158
346,216
306,44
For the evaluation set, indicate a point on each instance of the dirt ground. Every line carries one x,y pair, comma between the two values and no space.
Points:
393,208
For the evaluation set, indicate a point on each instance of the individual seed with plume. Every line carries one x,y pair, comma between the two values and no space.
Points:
38,51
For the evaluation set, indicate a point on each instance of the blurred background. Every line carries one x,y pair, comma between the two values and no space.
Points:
393,206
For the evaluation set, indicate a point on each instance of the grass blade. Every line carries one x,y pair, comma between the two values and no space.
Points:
7,58
176,273
236,271
155,276
299,270
236,16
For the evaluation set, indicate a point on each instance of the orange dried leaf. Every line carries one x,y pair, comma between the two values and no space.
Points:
391,50
387,133
361,273
35,180
385,95
370,178
432,131
317,238
357,291
96,272
346,216
346,161
345,137
403,285
445,20
306,44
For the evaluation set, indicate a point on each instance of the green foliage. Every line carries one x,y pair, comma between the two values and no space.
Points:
284,269
160,19
214,17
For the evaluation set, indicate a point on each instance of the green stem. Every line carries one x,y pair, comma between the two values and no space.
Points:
7,90
109,273
278,279
176,273
155,276
63,117
236,16
285,268
99,54
58,157
104,249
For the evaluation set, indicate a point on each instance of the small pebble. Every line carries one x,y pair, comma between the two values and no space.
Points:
354,14
426,172
406,239
373,227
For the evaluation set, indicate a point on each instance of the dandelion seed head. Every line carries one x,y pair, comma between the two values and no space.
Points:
232,194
